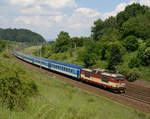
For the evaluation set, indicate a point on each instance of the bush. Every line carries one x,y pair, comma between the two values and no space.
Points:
148,42
140,54
131,74
147,55
5,55
131,43
2,45
15,85
134,62
144,55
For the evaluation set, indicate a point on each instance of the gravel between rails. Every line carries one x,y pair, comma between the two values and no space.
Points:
118,98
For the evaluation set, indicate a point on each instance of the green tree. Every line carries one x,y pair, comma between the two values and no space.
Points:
111,22
131,43
122,17
21,35
134,62
131,11
62,42
89,55
115,56
137,26
97,29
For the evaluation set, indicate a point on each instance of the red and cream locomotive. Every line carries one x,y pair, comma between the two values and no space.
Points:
104,78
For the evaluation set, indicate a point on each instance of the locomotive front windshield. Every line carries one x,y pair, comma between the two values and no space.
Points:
120,79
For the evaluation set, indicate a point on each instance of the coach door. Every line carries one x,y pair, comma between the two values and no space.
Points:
49,65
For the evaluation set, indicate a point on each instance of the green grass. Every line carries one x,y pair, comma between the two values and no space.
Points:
59,100
31,50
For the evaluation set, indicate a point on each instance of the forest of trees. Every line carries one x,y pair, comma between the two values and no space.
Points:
21,35
120,43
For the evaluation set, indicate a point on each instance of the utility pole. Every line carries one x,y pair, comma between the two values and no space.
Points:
74,52
40,56
7,47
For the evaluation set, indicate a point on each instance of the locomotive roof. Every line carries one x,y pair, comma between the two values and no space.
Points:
88,70
103,72
112,74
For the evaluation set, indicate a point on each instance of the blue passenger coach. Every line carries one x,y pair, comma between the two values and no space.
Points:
65,68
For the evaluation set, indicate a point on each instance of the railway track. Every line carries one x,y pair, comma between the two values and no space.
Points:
130,98
137,99
138,93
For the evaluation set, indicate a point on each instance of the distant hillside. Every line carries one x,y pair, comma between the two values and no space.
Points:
21,35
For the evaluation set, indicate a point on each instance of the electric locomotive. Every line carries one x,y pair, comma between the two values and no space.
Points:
104,78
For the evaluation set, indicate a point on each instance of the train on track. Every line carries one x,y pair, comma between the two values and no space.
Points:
100,77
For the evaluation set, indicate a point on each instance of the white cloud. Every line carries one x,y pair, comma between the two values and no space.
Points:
57,4
32,10
39,21
38,10
82,18
57,20
145,2
22,2
3,19
122,6
118,9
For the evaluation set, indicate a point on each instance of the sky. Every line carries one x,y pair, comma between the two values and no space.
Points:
49,17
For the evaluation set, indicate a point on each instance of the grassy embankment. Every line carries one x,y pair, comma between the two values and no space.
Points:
59,100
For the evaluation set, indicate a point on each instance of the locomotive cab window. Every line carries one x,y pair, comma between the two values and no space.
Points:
87,74
105,78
